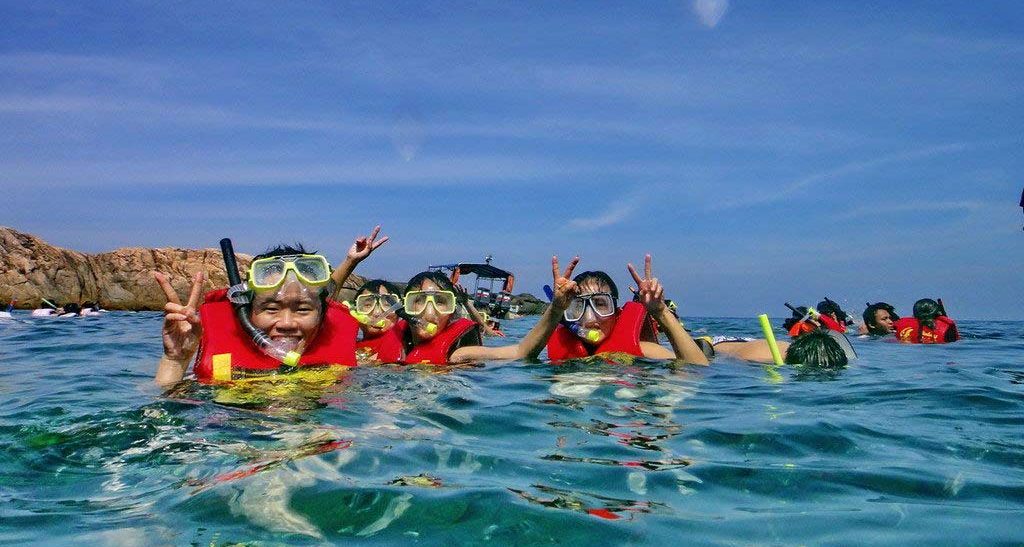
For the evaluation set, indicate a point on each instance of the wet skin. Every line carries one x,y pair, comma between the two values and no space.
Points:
370,331
290,315
430,314
592,320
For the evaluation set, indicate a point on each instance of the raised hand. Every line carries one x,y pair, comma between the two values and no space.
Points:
363,246
649,289
182,328
565,288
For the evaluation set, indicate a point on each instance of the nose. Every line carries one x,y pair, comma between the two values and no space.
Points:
287,320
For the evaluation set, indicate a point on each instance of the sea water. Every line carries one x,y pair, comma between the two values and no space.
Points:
909,444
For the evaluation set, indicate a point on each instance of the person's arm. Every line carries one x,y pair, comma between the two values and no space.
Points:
479,319
531,344
652,296
181,331
754,350
360,249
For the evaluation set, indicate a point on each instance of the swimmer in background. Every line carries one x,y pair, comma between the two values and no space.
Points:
594,324
10,305
929,325
816,349
437,337
744,348
878,320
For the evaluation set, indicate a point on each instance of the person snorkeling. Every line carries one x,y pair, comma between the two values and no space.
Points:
594,324
437,337
282,317
817,349
806,319
929,325
376,306
879,319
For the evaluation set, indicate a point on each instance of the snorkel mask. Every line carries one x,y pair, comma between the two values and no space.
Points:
362,309
601,304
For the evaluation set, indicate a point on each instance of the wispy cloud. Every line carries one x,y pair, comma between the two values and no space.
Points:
616,213
786,190
710,12
910,208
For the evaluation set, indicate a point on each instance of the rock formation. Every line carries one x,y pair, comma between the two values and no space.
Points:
31,269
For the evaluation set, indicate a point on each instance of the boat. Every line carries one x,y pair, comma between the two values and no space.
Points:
496,303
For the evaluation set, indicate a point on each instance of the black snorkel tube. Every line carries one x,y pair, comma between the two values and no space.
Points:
243,307
839,337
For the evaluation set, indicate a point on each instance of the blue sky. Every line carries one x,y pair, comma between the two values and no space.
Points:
761,151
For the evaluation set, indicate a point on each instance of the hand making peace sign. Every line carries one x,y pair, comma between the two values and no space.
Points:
182,328
565,288
649,289
363,246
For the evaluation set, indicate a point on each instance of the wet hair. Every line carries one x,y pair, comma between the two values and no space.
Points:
869,316
827,306
72,308
284,250
799,314
926,310
816,349
373,287
600,277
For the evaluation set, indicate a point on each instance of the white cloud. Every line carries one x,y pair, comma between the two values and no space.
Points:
710,12
618,212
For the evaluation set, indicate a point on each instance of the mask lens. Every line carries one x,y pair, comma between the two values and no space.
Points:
415,302
314,269
603,304
575,310
388,301
365,303
444,301
266,273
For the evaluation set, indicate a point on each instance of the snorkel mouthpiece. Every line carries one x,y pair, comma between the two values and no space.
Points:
281,351
590,335
377,320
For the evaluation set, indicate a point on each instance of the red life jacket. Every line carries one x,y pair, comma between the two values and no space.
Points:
624,338
226,350
388,346
438,349
909,329
803,327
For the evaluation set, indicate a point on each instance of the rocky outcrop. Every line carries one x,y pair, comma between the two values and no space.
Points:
31,269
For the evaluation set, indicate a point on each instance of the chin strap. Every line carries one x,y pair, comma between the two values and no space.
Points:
240,294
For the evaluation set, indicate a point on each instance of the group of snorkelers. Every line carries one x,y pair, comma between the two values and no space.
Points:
928,324
71,309
285,315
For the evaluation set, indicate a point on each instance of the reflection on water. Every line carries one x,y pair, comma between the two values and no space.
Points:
907,441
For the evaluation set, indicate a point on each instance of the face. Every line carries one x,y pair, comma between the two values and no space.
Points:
290,315
391,318
430,314
590,319
883,321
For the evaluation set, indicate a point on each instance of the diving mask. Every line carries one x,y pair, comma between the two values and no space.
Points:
366,303
602,303
271,272
443,301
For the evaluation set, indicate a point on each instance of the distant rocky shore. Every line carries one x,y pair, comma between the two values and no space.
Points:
32,269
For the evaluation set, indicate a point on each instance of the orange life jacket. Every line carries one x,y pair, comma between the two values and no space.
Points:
388,346
438,349
910,329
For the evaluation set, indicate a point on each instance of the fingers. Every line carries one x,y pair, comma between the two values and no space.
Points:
165,285
373,234
572,266
382,241
636,276
197,290
554,268
647,266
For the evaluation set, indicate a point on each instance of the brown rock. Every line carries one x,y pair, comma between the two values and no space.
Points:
31,269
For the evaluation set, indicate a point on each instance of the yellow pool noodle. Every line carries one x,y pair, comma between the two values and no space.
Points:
769,337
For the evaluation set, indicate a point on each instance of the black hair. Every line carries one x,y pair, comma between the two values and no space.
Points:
800,313
869,316
284,250
816,349
926,310
373,286
72,308
601,277
828,306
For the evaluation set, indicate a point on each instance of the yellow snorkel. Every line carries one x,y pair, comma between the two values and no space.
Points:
769,337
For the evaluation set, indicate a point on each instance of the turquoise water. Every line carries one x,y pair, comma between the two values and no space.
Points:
908,444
